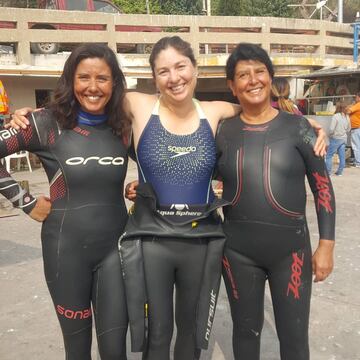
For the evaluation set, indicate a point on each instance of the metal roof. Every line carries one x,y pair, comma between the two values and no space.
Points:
330,73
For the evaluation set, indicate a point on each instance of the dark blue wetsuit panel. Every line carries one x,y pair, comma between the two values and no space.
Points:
179,167
86,167
263,168
180,170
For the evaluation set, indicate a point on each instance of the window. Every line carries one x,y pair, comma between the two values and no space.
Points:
76,5
105,7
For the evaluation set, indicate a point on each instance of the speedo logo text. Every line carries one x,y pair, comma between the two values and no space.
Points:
181,150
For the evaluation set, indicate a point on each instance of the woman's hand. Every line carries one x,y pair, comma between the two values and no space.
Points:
18,119
323,260
321,141
130,190
42,209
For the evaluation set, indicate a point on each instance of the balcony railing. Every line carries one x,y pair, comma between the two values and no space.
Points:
134,35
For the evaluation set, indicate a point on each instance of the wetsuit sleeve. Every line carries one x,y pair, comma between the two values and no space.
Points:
131,148
220,149
12,141
319,182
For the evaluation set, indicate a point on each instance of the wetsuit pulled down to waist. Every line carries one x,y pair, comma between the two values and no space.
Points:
145,222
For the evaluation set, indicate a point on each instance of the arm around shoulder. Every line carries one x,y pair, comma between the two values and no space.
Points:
219,110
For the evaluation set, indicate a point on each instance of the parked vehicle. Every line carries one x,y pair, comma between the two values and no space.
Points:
103,6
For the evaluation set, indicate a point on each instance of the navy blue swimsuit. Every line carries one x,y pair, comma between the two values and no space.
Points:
179,167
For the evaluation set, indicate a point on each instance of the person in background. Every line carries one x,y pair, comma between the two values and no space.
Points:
264,156
280,92
338,132
354,112
80,139
4,104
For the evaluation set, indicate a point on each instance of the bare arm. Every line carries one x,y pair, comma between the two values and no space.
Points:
216,111
140,106
222,109
134,103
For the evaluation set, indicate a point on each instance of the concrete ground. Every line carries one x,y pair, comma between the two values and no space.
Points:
28,324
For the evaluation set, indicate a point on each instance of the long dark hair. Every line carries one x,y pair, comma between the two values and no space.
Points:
65,105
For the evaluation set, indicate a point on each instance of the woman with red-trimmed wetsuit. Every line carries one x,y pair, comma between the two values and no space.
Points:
79,140
264,156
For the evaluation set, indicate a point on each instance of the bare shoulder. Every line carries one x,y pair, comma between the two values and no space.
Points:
135,98
139,105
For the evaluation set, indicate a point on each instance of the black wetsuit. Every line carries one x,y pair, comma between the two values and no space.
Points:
86,167
263,168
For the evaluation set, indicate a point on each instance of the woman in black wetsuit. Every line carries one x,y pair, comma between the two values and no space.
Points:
264,156
79,139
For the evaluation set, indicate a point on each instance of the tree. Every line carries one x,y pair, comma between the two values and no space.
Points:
190,7
227,7
137,6
185,7
276,8
349,10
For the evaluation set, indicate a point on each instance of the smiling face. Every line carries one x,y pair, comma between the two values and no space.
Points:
175,75
93,85
251,84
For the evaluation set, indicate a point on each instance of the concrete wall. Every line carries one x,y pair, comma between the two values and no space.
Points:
294,45
306,41
21,90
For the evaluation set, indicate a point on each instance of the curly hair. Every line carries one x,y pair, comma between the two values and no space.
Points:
64,104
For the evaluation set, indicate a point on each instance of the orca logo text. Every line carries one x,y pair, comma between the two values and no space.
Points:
107,160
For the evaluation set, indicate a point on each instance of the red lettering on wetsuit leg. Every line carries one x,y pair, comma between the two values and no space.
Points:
295,279
324,197
71,314
227,268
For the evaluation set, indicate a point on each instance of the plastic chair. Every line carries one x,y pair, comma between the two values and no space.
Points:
18,156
